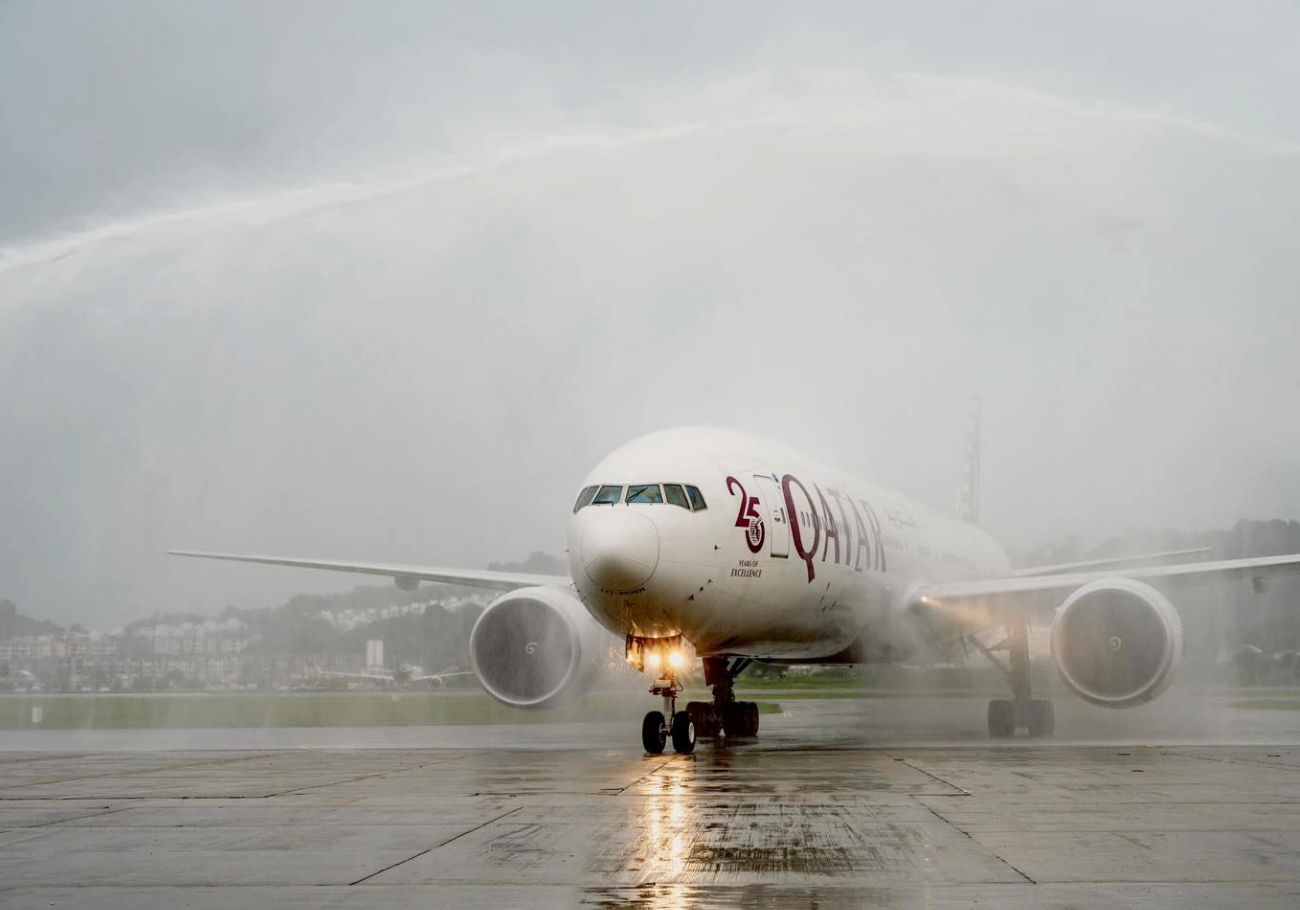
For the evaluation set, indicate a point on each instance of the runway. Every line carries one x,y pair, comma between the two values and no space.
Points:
814,813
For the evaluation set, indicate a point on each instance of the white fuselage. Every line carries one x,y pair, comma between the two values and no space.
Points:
787,560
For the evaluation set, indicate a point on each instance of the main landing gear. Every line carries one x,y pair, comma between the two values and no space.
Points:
724,714
1022,710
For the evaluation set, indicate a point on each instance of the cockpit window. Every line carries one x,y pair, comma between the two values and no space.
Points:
608,495
644,492
585,498
674,494
697,499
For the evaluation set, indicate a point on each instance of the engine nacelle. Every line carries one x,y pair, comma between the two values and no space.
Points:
1117,642
535,648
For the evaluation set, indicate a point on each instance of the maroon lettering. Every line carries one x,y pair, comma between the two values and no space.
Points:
875,529
864,542
831,532
806,552
843,523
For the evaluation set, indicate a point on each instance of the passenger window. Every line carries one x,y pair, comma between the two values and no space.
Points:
644,492
608,496
697,499
585,498
675,495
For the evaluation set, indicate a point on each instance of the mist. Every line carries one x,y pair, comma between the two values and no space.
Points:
411,346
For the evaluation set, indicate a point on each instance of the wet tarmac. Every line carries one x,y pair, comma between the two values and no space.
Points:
836,804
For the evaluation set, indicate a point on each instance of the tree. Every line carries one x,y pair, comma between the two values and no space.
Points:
8,619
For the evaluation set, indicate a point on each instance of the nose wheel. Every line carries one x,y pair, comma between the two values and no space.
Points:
654,733
683,733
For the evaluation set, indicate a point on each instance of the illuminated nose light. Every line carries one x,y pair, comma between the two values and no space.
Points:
668,655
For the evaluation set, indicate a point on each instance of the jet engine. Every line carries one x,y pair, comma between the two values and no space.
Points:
1117,642
535,648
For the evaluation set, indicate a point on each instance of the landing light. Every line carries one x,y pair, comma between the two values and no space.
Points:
676,659
653,660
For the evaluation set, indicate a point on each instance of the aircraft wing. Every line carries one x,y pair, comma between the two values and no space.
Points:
427,676
1043,593
1113,562
339,674
403,575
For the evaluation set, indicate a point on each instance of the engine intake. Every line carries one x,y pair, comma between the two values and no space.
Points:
1117,642
535,648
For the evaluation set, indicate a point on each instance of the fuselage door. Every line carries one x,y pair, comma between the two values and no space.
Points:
773,506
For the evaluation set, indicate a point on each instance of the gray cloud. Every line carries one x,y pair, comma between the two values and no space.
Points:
145,104
417,356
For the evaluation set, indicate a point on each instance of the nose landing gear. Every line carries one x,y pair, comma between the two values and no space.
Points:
666,657
656,731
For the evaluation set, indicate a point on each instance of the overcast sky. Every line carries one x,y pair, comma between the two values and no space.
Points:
383,281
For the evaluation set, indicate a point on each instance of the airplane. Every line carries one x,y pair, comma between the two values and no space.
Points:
405,674
711,544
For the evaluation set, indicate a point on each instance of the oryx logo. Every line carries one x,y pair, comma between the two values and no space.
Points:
748,517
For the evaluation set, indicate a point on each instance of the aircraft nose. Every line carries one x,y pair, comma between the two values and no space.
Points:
620,549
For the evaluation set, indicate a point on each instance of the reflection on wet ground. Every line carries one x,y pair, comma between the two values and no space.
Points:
811,814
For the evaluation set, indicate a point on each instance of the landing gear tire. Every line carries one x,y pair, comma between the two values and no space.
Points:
733,719
1042,717
1002,718
740,718
706,721
654,733
683,733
